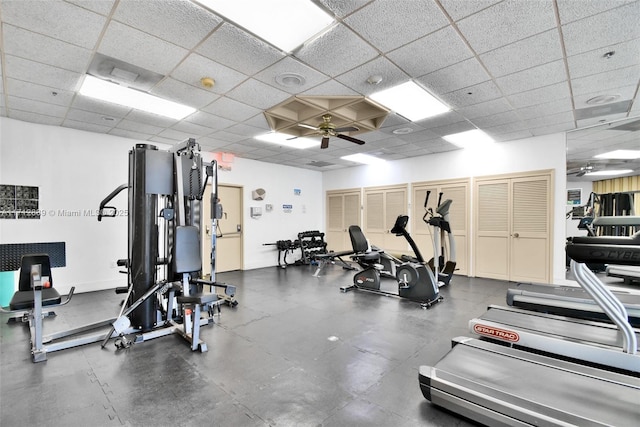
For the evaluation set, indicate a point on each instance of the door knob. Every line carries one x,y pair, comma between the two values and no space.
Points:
516,235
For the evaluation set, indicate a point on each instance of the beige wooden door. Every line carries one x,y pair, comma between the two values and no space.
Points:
343,210
513,228
229,229
458,192
382,205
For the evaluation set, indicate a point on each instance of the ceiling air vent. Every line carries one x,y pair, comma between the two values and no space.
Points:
603,110
111,69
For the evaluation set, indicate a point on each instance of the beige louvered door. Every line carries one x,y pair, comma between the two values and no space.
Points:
382,205
343,210
458,192
492,229
513,228
530,234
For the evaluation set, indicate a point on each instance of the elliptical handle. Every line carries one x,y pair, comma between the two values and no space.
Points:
426,199
440,198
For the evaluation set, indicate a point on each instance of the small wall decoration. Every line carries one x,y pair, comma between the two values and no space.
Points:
19,201
297,191
258,194
574,196
287,208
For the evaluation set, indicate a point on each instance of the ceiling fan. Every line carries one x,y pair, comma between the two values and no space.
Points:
328,129
581,169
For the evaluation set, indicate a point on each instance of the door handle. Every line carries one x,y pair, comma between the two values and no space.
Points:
516,235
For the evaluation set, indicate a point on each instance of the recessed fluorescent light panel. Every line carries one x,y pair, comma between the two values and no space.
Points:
610,172
410,101
112,92
364,159
287,140
620,154
469,139
285,24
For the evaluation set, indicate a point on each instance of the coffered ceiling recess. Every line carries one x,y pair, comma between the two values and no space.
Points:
357,111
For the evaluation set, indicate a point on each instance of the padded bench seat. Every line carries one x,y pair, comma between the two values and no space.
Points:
23,300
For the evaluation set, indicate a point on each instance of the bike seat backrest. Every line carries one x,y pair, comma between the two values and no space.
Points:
358,240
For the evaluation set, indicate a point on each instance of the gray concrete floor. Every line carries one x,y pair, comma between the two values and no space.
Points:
294,352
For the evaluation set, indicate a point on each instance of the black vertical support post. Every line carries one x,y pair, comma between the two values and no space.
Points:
143,238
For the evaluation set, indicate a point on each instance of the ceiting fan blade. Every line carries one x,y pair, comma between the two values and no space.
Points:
352,139
325,142
307,126
347,129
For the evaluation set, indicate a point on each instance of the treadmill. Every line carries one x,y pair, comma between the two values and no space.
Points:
574,301
500,383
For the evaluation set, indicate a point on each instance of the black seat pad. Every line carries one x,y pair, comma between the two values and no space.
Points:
23,300
607,240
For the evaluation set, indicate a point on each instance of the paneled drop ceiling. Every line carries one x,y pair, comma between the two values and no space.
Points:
513,68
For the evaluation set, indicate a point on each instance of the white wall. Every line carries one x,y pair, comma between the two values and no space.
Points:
538,153
75,170
279,182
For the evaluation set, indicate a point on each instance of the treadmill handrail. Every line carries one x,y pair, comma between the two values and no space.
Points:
611,305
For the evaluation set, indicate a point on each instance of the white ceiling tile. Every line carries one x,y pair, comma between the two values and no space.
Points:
195,67
211,121
90,117
258,94
193,129
89,127
139,127
552,119
440,120
174,135
458,76
129,134
162,140
416,137
245,130
533,78
38,92
471,95
57,19
150,118
38,107
39,48
594,61
406,21
232,47
596,31
337,51
33,117
258,121
559,106
624,93
461,9
141,49
231,109
547,130
506,128
431,53
223,135
453,128
211,143
53,77
331,87
598,120
507,22
495,106
239,149
342,8
523,54
496,119
510,136
356,79
179,22
290,65
103,7
541,95
572,10
605,81
183,93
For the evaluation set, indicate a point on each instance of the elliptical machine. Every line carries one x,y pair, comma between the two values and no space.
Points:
441,264
416,281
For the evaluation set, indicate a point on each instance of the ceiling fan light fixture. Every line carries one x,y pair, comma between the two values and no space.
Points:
285,24
364,159
94,87
620,155
611,172
469,139
410,101
286,140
